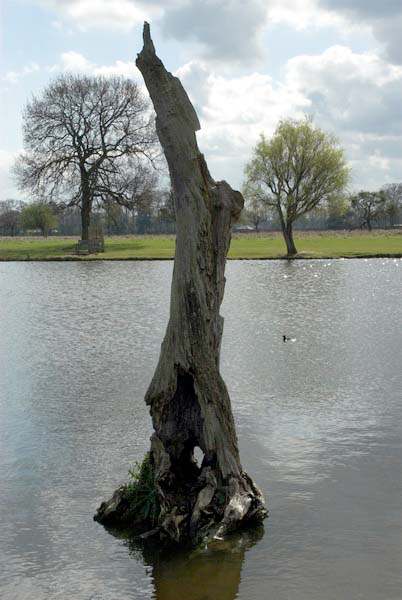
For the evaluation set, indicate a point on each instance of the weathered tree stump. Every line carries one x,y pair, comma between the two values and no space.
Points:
188,399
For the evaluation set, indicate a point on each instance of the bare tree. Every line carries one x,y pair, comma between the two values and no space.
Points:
393,204
369,207
10,212
255,212
87,140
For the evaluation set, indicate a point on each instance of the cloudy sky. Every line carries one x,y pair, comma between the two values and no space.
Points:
245,64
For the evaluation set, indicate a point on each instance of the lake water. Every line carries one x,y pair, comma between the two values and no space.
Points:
319,422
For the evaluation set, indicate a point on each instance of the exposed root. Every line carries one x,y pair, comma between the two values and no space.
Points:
192,513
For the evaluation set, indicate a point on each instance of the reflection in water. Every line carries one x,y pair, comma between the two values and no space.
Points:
209,573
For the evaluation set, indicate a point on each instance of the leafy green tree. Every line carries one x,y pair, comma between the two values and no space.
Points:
38,216
299,168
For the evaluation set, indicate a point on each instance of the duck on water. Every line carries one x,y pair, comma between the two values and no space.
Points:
286,338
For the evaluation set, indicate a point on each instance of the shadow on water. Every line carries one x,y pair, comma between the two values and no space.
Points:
204,573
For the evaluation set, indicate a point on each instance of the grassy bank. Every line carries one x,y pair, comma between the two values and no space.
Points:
245,246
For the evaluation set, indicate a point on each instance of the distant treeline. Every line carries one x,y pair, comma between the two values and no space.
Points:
380,209
153,216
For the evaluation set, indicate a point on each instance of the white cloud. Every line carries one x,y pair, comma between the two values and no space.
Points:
230,31
120,68
351,91
14,76
355,95
234,112
222,25
388,31
226,29
384,18
120,15
301,14
379,162
74,62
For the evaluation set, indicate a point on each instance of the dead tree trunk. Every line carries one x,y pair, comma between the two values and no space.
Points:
188,399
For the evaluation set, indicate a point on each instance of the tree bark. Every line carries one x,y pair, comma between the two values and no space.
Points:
85,206
188,399
287,230
85,220
368,221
